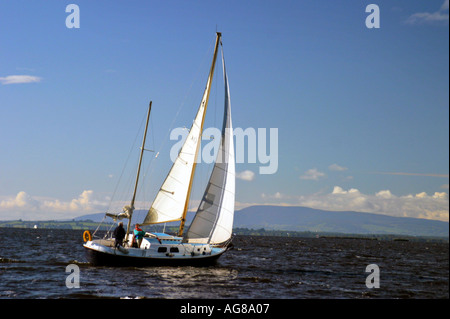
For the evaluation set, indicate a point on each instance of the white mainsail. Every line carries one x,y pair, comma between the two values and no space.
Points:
170,203
213,222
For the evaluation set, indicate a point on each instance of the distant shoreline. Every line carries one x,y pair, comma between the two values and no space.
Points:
91,225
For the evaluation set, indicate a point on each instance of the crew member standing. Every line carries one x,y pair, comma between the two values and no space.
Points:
119,235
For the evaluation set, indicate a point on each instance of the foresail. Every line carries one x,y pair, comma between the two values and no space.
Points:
213,222
171,198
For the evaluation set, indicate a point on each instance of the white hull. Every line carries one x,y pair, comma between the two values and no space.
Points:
163,250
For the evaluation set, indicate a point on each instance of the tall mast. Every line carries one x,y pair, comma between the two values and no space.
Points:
130,211
208,88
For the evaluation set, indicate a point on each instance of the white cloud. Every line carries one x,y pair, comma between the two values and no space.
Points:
246,175
442,195
336,167
436,215
83,203
277,195
24,206
17,79
312,174
340,190
430,17
384,194
22,200
421,195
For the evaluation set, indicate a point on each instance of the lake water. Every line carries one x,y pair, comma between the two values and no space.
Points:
33,265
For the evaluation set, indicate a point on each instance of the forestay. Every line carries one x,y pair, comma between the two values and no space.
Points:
170,203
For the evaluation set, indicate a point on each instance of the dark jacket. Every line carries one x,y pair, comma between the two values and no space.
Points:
119,233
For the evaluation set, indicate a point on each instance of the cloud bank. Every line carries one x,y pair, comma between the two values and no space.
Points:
26,207
420,205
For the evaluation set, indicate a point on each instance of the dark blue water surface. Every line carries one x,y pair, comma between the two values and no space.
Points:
33,265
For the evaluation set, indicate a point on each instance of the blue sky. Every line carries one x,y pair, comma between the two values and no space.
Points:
362,114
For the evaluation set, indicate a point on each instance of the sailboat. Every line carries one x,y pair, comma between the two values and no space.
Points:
210,233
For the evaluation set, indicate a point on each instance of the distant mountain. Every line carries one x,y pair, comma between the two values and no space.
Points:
98,217
297,218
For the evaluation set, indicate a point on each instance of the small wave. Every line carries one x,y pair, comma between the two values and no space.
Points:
65,263
8,293
256,279
10,260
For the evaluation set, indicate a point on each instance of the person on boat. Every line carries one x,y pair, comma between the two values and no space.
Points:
138,234
119,235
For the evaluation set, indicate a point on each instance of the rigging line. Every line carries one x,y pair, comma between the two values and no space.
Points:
195,79
124,166
93,234
145,177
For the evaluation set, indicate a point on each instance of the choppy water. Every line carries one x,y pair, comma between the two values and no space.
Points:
33,265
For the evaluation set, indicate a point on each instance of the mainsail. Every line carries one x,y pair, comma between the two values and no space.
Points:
171,202
213,222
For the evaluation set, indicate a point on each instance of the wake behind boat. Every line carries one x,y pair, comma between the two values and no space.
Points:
210,233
